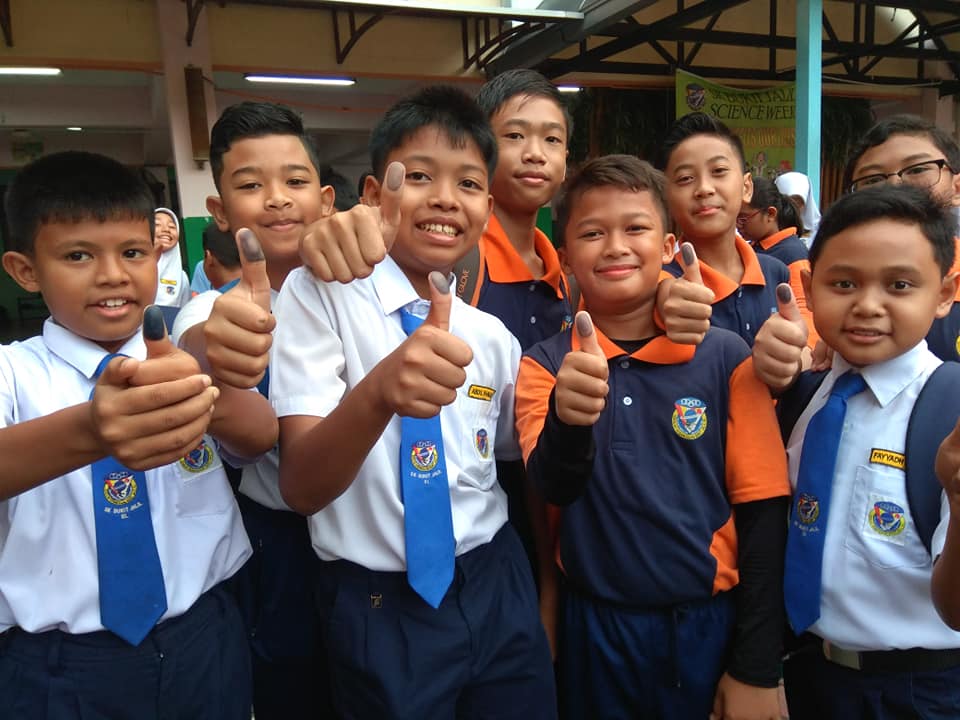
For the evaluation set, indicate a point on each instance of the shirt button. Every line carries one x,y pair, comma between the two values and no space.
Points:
624,364
628,401
533,287
748,326
533,320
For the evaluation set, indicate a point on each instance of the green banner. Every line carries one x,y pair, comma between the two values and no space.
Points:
764,119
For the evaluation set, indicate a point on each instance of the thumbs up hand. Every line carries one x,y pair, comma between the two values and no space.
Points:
686,304
349,244
424,373
238,332
780,347
150,413
581,391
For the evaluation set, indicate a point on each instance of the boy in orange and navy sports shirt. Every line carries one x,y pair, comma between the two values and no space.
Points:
674,568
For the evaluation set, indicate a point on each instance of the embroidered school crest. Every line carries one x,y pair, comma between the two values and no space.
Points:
119,488
568,323
689,418
424,455
887,518
482,442
808,508
199,459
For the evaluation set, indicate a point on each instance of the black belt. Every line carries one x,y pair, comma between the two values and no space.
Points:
911,660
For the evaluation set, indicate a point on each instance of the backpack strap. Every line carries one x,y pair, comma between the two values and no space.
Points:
467,272
933,417
794,401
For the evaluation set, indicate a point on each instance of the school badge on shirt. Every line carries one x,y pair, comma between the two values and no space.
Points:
481,441
199,459
886,520
689,418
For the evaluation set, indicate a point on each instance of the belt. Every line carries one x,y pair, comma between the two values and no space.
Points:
911,660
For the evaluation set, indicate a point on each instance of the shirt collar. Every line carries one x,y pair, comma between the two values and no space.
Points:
82,354
504,264
394,290
723,286
771,240
660,350
888,379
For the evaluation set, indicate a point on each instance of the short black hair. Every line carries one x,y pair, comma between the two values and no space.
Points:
901,203
450,110
496,92
902,125
254,120
344,194
625,172
73,187
222,245
766,194
699,123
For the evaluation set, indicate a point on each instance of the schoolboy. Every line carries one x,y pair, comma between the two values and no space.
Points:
80,593
346,382
673,567
265,170
221,259
857,578
706,185
904,149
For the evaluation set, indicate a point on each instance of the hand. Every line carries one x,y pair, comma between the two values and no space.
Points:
822,358
424,373
778,349
581,391
686,304
164,415
348,245
238,332
947,467
735,700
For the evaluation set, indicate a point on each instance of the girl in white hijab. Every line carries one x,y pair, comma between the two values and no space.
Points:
173,288
796,186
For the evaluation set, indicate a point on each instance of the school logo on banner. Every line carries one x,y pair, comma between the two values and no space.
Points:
689,418
424,455
199,459
119,488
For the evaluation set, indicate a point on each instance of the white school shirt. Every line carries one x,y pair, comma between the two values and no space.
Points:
260,480
173,287
48,549
330,337
876,570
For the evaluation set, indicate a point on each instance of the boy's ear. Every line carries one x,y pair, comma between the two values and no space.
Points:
669,248
564,265
747,187
371,191
21,268
806,278
955,200
327,198
215,208
948,291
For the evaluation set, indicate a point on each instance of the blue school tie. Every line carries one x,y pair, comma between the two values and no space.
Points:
803,567
427,518
132,593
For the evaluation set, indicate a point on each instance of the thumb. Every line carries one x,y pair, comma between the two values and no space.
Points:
787,303
691,266
441,300
155,333
587,336
253,268
391,193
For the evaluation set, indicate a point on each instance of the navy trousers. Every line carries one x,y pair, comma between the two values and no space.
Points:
193,666
818,689
658,664
481,654
275,593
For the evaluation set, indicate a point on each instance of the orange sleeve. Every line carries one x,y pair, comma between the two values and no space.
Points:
796,284
756,461
534,385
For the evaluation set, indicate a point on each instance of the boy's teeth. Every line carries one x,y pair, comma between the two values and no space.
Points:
437,227
117,302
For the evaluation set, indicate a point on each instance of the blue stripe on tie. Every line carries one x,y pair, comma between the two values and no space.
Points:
132,593
428,519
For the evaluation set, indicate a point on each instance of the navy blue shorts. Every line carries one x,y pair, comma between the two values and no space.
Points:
481,654
196,665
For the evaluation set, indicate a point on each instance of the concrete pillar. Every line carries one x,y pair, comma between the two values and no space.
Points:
809,89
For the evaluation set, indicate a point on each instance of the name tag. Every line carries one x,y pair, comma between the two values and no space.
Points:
481,392
889,458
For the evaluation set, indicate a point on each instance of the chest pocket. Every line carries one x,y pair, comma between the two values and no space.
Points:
204,488
478,408
879,526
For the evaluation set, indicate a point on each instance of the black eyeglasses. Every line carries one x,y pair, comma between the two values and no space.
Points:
924,174
743,219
